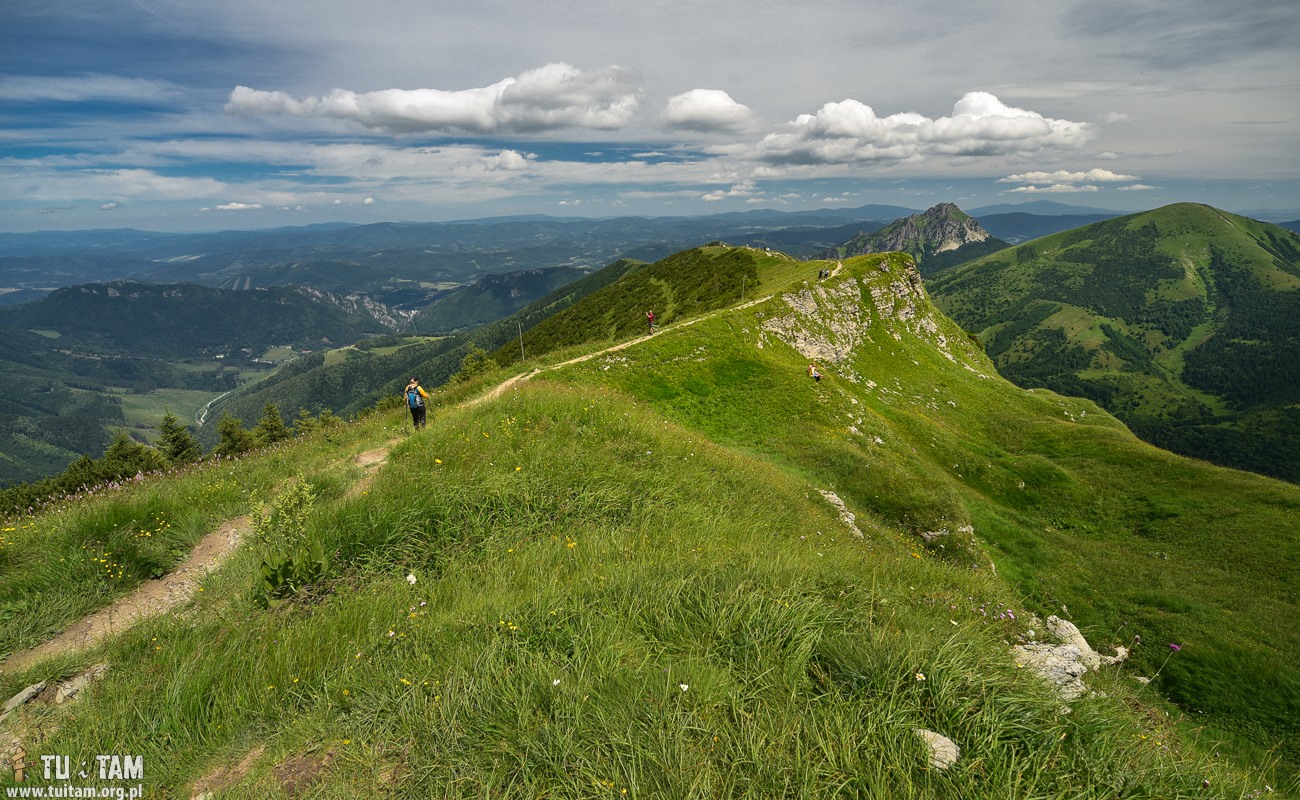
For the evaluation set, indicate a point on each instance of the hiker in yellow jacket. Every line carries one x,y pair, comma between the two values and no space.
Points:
415,397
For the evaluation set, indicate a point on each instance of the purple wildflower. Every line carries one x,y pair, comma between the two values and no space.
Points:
1175,647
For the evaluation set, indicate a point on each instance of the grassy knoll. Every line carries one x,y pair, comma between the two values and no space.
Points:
563,593
1076,514
622,579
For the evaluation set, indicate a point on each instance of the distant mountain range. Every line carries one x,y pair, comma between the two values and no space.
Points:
1183,321
409,265
490,298
191,297
87,360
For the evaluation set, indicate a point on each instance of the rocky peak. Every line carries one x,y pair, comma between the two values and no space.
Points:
939,229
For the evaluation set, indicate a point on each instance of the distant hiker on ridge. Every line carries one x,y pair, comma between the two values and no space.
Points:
650,320
415,397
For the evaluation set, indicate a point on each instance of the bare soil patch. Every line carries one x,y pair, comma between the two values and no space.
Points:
150,598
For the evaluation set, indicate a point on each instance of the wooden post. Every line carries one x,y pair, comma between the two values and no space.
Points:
20,765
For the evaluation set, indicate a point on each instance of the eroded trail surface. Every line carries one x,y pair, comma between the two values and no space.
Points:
177,587
150,598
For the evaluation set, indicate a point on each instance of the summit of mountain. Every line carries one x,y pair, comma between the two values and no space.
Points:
1184,321
936,238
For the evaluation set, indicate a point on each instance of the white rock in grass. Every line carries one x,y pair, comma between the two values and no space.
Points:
943,751
1064,664
24,697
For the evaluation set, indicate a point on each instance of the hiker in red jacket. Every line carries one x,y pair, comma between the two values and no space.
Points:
650,320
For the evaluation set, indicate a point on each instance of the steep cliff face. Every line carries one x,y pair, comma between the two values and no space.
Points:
941,229
830,321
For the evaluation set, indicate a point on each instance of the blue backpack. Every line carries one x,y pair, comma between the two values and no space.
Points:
413,399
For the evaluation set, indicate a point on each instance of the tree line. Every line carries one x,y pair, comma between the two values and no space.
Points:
176,448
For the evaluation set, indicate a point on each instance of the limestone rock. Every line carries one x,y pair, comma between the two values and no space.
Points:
1067,633
1063,664
944,752
23,697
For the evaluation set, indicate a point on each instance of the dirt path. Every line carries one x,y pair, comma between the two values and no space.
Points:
370,461
524,377
166,593
150,598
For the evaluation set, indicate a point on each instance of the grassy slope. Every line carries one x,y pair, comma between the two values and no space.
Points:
627,580
1077,513
350,386
1118,310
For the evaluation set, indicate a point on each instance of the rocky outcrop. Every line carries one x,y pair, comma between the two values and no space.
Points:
1064,662
828,320
939,229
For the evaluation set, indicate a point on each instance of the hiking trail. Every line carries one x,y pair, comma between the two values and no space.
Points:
149,598
158,596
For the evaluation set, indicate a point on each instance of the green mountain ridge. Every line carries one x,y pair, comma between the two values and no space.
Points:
367,376
114,356
627,576
491,298
188,320
1183,321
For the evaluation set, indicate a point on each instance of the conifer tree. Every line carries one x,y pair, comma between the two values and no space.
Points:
304,423
176,442
234,439
271,428
127,457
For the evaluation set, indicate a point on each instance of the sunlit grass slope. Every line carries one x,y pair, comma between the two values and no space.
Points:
623,579
91,549
562,593
915,430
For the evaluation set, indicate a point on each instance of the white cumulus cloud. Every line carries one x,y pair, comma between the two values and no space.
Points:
1063,181
1065,176
239,206
707,110
1056,188
553,97
850,132
507,160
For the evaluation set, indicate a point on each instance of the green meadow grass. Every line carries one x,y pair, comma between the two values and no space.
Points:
61,565
1081,518
601,605
145,410
621,579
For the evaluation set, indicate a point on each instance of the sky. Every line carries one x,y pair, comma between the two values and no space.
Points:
178,115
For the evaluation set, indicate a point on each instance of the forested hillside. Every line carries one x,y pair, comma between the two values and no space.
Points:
1183,321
